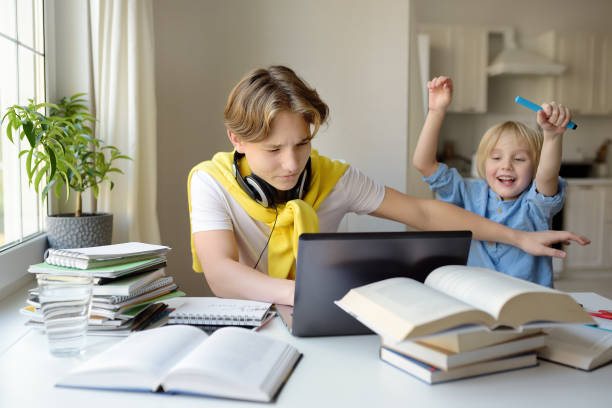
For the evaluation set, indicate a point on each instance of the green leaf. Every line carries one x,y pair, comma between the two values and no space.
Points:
45,191
74,170
58,188
39,176
28,163
28,129
52,160
9,131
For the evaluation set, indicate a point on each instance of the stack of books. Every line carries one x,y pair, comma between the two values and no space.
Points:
462,321
461,355
129,284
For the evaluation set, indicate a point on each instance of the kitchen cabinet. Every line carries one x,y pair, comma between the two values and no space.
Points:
586,84
460,52
588,211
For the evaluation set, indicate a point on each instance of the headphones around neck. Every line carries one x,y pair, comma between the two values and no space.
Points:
265,194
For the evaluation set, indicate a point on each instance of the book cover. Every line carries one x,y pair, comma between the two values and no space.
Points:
125,249
432,375
112,271
128,285
446,360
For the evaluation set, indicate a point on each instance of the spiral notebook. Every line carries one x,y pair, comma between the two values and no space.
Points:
105,255
213,311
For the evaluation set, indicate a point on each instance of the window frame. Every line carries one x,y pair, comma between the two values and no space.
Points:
17,256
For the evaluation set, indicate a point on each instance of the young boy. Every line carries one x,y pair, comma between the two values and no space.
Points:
520,185
248,207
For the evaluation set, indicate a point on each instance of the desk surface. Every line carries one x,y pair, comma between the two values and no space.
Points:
335,371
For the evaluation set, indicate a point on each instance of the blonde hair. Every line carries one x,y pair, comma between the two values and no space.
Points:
532,137
262,93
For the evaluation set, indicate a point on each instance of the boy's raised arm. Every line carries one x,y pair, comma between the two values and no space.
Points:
440,95
552,119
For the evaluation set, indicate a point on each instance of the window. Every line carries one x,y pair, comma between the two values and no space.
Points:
22,77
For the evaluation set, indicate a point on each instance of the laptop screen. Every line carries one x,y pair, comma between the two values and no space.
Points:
330,264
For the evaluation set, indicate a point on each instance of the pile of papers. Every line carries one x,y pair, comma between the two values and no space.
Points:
129,284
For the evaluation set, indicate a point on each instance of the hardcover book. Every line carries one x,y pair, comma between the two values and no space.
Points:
231,363
453,297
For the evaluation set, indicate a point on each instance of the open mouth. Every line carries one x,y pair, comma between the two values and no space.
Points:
506,180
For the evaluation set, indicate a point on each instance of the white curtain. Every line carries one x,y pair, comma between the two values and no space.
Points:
124,93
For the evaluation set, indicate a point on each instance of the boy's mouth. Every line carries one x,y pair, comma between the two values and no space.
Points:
506,180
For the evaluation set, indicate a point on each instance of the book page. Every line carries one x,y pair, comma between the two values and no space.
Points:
578,346
144,356
482,288
233,362
400,307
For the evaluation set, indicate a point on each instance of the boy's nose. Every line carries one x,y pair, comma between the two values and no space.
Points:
291,162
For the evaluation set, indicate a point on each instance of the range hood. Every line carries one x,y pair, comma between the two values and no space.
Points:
514,60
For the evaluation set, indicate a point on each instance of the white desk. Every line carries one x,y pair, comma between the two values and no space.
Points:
335,371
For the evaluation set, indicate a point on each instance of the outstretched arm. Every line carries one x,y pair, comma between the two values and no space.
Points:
437,215
440,95
552,119
229,278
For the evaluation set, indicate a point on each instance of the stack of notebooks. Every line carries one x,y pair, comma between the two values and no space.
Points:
129,284
462,321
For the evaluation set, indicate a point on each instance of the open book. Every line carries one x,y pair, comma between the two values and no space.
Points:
582,347
454,296
230,363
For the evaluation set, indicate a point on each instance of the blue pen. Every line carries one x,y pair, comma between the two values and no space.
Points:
535,108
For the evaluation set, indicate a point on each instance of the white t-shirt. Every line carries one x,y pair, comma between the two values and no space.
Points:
213,208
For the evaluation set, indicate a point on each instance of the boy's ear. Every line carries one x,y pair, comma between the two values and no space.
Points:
235,141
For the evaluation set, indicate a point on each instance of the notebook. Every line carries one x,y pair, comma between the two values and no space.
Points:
329,264
213,311
129,285
104,255
113,271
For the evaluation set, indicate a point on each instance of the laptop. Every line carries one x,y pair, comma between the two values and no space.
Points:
330,264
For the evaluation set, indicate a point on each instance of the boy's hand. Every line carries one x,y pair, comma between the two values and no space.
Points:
440,93
553,118
538,242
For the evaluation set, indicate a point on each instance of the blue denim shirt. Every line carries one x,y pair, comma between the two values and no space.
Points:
531,211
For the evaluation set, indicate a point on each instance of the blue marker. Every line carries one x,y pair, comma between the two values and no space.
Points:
535,108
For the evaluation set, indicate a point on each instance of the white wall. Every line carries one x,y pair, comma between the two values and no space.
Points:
355,53
68,68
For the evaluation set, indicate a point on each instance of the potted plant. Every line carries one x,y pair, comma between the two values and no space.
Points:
61,153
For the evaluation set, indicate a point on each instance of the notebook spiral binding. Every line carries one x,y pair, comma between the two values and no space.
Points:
204,319
156,284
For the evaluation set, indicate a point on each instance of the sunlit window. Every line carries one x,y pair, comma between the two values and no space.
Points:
22,77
